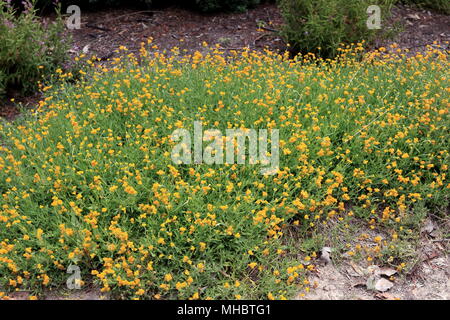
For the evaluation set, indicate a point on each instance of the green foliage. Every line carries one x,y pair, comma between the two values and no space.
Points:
438,5
224,5
104,3
200,5
2,82
320,26
29,48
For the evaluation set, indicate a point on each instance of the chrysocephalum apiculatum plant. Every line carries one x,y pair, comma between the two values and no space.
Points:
88,179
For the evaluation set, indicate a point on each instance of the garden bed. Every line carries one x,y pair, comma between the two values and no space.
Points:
87,178
91,182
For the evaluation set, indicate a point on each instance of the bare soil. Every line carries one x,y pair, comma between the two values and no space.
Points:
429,279
105,31
418,28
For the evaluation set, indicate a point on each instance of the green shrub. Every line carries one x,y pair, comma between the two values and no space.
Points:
29,48
319,26
199,5
438,5
97,3
2,82
224,5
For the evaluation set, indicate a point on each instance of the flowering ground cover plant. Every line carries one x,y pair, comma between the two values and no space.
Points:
88,179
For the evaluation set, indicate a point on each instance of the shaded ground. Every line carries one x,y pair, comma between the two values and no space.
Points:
9,108
105,31
418,28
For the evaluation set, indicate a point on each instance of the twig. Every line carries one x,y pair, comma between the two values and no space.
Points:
439,218
93,26
224,273
259,38
269,29
106,57
241,48
131,14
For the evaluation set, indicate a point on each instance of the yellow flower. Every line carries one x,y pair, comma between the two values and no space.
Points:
130,190
140,292
181,285
39,233
168,277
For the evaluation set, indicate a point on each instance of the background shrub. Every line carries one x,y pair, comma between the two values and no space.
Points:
2,82
319,26
29,48
224,5
49,5
199,5
438,5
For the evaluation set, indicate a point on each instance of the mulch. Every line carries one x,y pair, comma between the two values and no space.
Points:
103,32
418,28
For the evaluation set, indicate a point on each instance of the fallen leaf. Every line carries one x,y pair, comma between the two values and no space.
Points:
85,49
428,227
373,269
358,271
413,16
385,296
378,284
386,272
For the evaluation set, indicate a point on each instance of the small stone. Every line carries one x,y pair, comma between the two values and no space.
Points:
379,284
